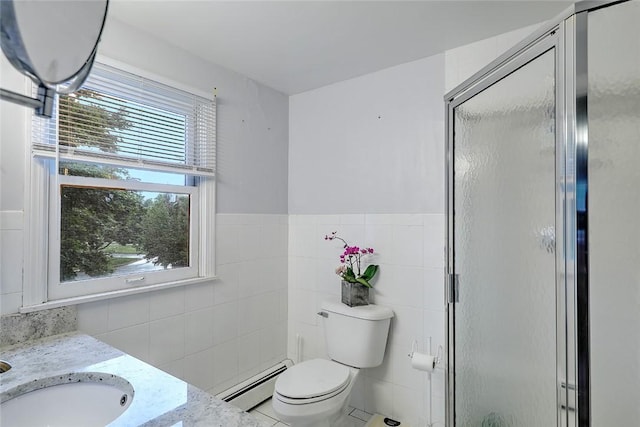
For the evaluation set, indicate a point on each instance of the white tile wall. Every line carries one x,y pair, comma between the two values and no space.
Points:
410,252
11,247
215,334
166,340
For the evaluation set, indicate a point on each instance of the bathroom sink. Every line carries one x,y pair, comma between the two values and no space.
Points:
74,399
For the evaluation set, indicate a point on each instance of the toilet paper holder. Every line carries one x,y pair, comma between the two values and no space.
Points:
414,349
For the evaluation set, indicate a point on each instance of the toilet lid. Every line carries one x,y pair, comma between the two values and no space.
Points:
312,378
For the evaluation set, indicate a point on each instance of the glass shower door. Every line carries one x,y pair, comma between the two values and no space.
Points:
504,218
613,206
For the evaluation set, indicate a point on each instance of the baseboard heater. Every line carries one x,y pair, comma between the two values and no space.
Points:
256,389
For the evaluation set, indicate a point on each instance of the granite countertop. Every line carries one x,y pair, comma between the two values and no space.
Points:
159,398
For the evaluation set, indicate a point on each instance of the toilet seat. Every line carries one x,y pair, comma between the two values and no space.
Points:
312,381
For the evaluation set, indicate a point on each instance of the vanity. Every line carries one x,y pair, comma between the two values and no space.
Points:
147,395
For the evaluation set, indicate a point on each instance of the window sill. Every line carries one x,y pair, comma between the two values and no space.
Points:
114,294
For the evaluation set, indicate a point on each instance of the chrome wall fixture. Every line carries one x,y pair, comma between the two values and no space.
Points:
52,42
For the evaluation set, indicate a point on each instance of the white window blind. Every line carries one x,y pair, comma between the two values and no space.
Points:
121,119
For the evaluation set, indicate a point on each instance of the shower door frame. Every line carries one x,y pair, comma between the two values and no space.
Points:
567,33
551,40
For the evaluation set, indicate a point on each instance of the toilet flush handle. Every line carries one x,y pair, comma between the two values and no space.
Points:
323,314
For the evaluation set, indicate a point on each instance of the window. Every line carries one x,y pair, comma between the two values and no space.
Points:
129,168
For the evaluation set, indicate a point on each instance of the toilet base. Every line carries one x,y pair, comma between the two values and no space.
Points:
324,413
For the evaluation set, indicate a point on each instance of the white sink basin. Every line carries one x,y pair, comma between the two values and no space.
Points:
75,399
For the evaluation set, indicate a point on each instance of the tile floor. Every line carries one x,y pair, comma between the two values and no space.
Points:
264,412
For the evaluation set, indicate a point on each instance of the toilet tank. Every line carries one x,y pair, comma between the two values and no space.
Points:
356,336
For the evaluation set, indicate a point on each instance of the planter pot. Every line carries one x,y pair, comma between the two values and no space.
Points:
354,294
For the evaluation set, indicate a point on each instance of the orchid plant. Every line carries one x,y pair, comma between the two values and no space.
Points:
351,262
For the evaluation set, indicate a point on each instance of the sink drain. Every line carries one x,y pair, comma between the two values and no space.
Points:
123,400
4,366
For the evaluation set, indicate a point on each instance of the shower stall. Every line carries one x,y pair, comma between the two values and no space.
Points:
543,237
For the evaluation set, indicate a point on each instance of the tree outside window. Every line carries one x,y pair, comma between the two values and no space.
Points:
108,230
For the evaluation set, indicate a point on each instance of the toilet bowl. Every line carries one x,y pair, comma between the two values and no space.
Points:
316,392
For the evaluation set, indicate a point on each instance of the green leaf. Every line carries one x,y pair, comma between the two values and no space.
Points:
369,272
349,276
363,282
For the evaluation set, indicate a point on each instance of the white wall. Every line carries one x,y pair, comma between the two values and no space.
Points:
252,119
463,62
12,162
366,159
410,254
213,334
369,144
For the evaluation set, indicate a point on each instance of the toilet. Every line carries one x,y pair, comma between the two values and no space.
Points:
315,393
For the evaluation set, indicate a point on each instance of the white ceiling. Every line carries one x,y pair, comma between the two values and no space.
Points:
295,46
